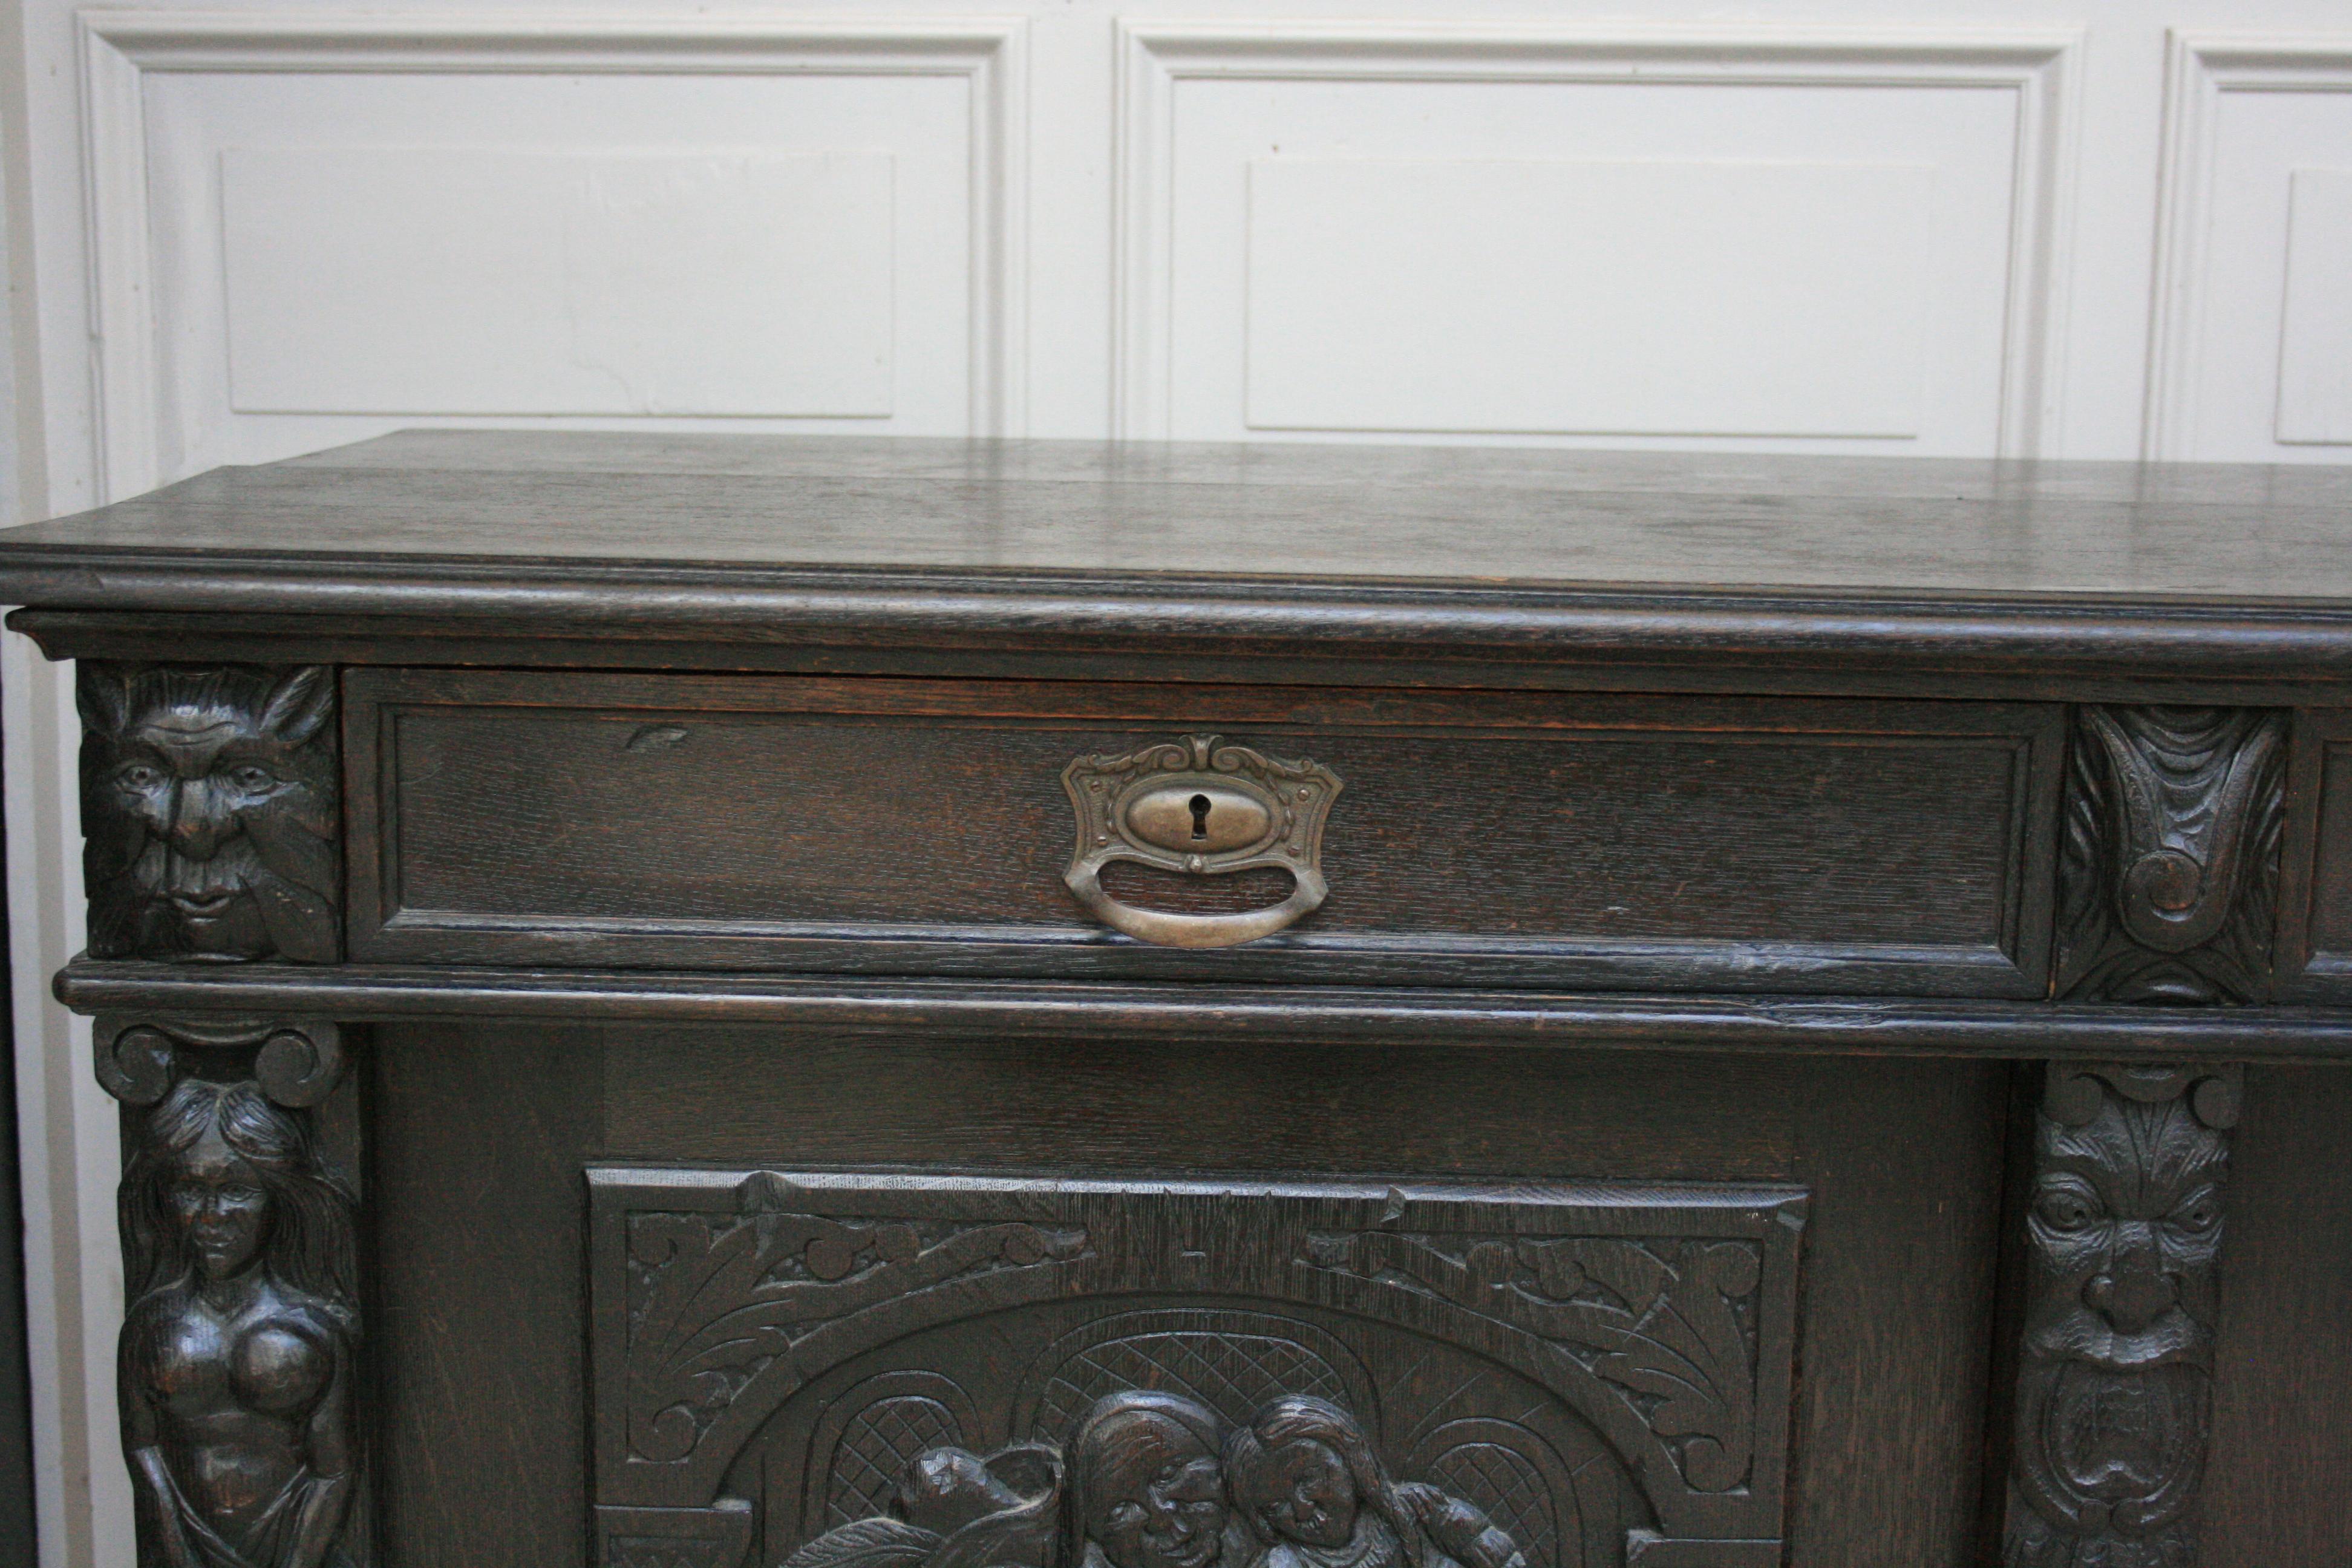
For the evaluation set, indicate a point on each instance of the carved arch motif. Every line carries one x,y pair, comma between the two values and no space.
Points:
1515,1477
867,1439
1231,1360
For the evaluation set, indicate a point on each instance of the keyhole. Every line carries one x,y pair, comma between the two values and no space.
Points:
1200,816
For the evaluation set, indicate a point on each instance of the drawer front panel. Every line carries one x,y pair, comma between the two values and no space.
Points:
882,825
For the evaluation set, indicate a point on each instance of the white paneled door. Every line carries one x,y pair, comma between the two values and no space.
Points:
2106,228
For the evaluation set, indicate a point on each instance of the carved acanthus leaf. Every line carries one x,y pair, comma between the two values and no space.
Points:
2168,855
1668,1322
715,1299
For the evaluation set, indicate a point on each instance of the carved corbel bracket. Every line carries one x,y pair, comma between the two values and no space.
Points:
241,1363
2168,861
2072,1093
296,1064
2115,1374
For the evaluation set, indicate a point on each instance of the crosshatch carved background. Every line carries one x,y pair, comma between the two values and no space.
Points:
1598,1371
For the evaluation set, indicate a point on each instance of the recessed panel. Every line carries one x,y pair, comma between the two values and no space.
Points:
2253,328
705,229
920,826
1588,241
836,1369
2314,396
1661,297
419,281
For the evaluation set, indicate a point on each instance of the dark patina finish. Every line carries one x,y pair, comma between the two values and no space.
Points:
210,812
1601,1009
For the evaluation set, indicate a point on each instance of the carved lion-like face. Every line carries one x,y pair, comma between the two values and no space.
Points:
2125,1223
209,806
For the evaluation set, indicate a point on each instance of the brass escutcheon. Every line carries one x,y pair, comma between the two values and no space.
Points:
1205,809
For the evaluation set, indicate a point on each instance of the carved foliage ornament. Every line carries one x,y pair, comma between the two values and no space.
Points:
211,812
1662,1322
2169,860
2115,1382
717,1301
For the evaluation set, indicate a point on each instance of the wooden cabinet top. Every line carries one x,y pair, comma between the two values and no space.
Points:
2201,569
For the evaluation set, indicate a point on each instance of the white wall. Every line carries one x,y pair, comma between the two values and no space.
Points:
1960,226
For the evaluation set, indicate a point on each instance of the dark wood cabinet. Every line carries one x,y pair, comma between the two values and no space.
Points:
734,1003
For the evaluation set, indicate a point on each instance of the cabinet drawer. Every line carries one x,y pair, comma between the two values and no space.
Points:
886,825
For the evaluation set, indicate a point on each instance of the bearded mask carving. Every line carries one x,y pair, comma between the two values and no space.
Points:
210,812
2114,1387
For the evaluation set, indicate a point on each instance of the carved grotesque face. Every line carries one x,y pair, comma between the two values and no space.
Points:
210,806
219,1203
2125,1222
1309,1496
1162,1502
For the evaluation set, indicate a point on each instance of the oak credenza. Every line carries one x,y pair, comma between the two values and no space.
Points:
712,1002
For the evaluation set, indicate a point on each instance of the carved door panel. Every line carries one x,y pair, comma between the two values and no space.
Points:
840,1370
1593,1323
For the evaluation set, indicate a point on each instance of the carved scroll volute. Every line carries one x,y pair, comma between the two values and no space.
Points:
2168,868
240,1359
211,812
2114,1371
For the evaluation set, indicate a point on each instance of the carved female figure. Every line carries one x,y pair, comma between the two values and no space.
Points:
1313,1494
1145,1487
237,1354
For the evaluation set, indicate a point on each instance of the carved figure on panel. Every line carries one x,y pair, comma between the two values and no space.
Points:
1147,1487
1313,1494
955,1509
2114,1396
1155,1479
210,809
239,1352
950,1371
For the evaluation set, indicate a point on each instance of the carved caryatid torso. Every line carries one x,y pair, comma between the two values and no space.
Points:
239,1381
238,1357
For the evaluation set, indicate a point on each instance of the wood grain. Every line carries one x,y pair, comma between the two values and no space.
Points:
922,826
1895,1305
2275,1493
479,1139
1276,551
1351,512
1702,813
1113,1013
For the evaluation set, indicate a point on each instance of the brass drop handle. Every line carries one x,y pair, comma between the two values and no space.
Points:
1208,810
